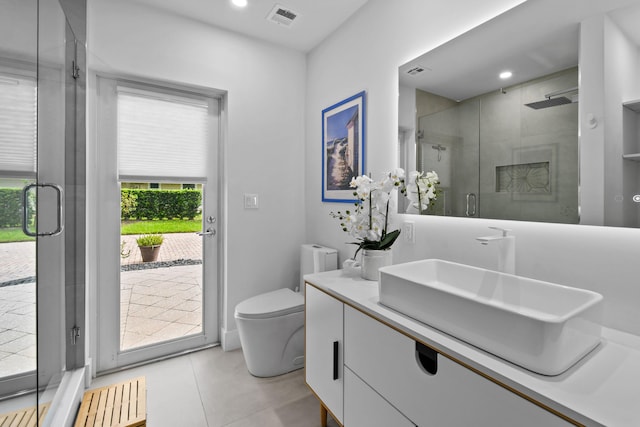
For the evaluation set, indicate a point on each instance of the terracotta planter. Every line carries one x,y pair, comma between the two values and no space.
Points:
149,253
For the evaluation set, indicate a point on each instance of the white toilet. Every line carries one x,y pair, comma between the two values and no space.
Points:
271,325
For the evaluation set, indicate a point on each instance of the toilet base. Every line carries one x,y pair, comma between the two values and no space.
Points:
272,346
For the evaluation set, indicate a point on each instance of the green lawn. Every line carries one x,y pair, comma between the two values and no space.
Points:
13,235
161,226
128,227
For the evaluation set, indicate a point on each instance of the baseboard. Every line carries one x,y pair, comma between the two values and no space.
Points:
230,340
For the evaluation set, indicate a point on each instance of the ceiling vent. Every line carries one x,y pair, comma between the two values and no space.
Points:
282,16
416,70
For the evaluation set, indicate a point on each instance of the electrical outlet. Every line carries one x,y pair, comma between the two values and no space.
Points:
408,229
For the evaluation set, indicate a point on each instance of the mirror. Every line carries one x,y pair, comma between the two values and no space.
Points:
514,146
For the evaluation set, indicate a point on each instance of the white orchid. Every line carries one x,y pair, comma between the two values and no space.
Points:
371,216
422,190
369,221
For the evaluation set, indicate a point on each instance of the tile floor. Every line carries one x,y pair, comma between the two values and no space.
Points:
212,388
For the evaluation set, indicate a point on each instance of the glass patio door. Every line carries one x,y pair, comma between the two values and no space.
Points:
158,207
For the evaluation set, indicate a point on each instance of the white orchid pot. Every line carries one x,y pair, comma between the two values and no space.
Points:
373,260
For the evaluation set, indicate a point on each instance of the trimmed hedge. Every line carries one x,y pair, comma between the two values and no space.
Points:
128,203
10,207
160,204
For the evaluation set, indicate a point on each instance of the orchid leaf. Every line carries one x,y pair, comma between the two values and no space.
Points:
388,239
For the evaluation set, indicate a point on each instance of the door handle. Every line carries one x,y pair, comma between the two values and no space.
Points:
207,232
25,210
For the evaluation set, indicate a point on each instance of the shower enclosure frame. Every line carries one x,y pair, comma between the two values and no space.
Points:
61,342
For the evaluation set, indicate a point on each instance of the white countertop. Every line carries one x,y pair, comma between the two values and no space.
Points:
603,389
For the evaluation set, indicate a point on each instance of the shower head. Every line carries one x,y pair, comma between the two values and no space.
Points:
552,102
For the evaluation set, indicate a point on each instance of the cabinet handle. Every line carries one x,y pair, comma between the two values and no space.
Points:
335,360
427,357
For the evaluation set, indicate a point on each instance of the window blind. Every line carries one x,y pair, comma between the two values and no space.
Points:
161,135
18,125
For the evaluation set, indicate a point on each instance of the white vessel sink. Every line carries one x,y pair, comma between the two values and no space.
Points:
540,326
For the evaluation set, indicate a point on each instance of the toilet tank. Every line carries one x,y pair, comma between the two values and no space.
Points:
315,259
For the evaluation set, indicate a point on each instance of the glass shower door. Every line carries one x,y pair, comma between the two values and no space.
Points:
18,144
448,143
61,204
51,193
41,207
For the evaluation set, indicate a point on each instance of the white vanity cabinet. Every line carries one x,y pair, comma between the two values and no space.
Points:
436,391
324,371
368,374
363,407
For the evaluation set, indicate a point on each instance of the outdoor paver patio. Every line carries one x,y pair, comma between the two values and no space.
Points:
175,246
159,304
18,261
156,304
17,329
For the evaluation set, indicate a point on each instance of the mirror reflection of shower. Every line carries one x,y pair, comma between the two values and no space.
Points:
435,148
504,154
440,149
553,99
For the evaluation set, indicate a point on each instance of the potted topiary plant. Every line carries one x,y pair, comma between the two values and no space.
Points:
149,245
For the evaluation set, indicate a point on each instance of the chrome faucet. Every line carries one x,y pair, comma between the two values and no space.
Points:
506,249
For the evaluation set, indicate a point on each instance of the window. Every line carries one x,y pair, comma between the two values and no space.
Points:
188,186
154,185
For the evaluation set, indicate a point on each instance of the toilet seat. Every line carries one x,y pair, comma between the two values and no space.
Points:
271,304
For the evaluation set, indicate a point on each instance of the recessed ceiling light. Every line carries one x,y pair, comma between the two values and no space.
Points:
505,75
239,3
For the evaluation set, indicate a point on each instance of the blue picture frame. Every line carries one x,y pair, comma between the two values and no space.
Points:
343,147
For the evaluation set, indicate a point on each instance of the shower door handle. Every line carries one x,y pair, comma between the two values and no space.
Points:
471,204
25,210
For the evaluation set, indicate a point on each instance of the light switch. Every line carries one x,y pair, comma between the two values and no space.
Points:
251,201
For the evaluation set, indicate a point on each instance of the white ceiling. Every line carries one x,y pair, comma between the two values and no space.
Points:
533,39
315,21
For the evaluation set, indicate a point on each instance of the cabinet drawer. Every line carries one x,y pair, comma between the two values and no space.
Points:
454,396
363,407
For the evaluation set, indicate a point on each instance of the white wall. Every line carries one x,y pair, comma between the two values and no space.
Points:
19,30
369,49
264,130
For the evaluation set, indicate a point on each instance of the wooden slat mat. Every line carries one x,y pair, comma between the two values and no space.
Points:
25,417
122,405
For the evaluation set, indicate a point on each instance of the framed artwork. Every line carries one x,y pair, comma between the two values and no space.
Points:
343,137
